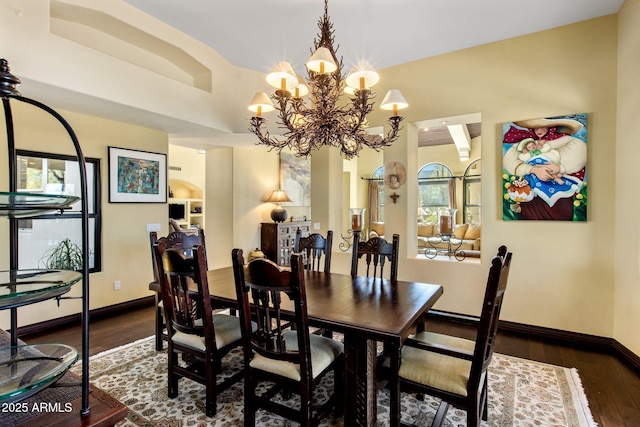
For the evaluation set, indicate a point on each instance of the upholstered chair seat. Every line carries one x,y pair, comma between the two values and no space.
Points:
227,332
427,368
323,352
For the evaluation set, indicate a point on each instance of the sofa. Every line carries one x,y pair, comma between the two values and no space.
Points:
468,233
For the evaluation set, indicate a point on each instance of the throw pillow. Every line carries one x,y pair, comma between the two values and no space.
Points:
460,230
426,230
473,232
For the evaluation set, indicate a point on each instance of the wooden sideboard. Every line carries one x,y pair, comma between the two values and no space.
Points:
277,239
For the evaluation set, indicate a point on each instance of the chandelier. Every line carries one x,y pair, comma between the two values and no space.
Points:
326,119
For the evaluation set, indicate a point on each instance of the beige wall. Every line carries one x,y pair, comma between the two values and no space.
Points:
191,164
575,288
571,69
627,229
125,241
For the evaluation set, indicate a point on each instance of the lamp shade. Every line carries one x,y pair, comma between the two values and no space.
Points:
261,104
283,77
322,61
278,196
394,97
394,100
362,76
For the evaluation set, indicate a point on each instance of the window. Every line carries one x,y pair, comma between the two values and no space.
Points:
433,190
55,174
378,175
472,192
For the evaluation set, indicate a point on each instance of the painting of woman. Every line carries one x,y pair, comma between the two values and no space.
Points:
547,180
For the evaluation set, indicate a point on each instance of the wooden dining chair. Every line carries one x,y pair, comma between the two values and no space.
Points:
450,368
178,240
202,337
291,360
376,251
315,247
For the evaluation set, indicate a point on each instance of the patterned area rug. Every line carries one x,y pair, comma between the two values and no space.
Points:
521,393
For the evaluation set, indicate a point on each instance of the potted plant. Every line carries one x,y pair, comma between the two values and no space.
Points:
65,256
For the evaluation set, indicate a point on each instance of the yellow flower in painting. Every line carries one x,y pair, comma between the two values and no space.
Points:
507,184
506,197
579,196
505,176
576,203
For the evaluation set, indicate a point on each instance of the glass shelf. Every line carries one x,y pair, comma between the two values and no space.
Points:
21,287
19,205
27,369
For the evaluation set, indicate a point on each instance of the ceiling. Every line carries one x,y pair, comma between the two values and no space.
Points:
256,34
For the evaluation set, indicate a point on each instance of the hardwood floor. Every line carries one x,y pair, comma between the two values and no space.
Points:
612,387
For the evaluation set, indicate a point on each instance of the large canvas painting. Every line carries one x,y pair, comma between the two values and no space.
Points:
545,169
137,176
295,178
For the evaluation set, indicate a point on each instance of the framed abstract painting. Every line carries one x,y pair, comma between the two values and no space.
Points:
137,176
295,178
544,169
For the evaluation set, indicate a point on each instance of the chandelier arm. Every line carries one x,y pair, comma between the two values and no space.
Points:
256,127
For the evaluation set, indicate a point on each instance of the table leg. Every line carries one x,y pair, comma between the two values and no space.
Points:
360,382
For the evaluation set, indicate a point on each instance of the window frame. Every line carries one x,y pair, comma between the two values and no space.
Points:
424,209
470,179
94,195
378,176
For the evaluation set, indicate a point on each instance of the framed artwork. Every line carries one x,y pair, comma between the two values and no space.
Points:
544,169
137,176
295,178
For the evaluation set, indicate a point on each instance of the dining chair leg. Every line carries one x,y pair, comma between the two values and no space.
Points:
249,397
441,415
159,323
172,380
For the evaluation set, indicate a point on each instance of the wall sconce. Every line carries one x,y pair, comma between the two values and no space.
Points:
394,197
278,214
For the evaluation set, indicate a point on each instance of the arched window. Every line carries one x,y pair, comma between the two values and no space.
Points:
472,192
378,176
433,190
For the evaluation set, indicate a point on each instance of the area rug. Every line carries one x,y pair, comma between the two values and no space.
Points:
521,393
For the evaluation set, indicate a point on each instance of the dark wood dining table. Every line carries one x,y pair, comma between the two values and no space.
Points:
365,310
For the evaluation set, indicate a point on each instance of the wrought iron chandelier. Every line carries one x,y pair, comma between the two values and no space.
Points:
324,120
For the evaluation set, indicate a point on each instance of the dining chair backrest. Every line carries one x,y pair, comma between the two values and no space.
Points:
188,308
490,314
377,252
315,247
176,240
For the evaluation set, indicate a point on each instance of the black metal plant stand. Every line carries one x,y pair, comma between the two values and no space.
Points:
452,247
8,92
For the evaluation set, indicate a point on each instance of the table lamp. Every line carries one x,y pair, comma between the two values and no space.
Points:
278,214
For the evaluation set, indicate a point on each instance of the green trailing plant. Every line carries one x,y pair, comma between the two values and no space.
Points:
65,256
